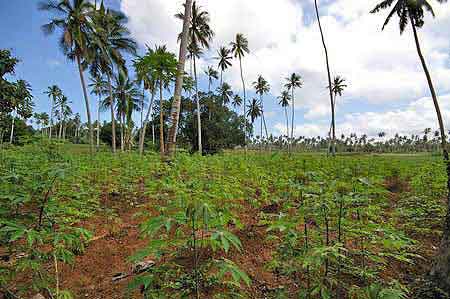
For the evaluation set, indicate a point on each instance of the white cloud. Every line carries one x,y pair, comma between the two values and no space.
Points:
381,68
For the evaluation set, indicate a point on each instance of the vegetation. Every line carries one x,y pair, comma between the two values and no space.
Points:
197,203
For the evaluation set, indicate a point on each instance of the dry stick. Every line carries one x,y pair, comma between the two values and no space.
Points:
56,275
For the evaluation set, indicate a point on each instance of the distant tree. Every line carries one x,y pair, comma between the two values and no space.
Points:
212,75
54,93
294,81
285,98
262,87
224,57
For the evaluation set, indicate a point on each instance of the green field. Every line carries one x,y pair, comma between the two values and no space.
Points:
234,225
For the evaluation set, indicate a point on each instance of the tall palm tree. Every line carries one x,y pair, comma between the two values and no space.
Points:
293,82
239,47
224,57
285,98
212,75
109,42
329,78
200,35
262,87
98,87
337,86
54,93
73,19
176,103
413,12
225,93
64,110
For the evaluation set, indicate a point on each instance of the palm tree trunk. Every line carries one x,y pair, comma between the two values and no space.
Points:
142,106
245,103
199,120
293,116
98,122
176,104
441,266
60,125
122,133
144,126
329,79
287,122
51,118
86,100
113,121
11,136
161,119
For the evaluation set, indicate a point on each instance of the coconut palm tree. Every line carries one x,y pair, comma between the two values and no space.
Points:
99,88
225,93
262,87
73,19
337,86
285,98
254,110
413,12
54,93
224,57
293,82
22,104
212,75
109,42
64,110
237,101
200,35
176,103
239,47
316,6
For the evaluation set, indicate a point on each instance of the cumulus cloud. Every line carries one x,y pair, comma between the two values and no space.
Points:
381,67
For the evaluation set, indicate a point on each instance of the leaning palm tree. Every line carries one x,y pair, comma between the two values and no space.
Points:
109,42
200,35
412,12
293,82
98,87
285,98
224,57
73,19
329,77
239,47
176,103
212,75
54,93
262,87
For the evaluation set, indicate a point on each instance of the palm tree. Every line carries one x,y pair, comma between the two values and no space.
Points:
329,77
53,92
413,12
98,87
73,19
64,110
109,42
338,85
262,87
22,104
254,110
293,82
212,75
237,101
176,103
224,57
200,35
225,93
239,48
284,102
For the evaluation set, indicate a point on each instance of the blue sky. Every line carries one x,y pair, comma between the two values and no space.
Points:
387,90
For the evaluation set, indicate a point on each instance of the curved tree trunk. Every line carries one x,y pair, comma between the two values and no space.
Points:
199,120
88,109
440,271
329,81
144,126
176,104
113,121
161,119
